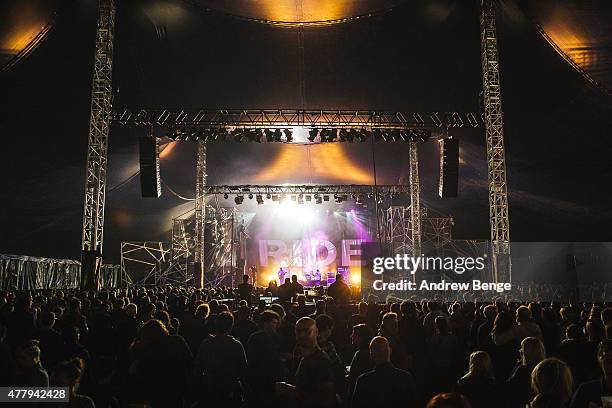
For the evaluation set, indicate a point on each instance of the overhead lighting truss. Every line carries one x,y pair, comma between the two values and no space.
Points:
277,125
302,190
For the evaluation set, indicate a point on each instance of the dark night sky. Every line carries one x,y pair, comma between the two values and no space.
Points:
557,131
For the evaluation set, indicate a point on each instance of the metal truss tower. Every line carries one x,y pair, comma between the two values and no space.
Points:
181,256
496,156
200,214
100,118
415,200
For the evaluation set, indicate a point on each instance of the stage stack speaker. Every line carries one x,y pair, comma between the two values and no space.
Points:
150,183
449,168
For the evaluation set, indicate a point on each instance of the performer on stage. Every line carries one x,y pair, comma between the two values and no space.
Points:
317,278
281,275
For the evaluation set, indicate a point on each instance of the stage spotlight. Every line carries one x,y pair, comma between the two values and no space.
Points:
269,135
275,197
237,134
403,137
358,200
308,198
278,135
221,135
313,133
343,135
268,196
318,200
288,135
259,199
329,135
225,196
239,199
250,196
351,135
363,135
378,136
300,199
325,198
395,136
293,198
254,135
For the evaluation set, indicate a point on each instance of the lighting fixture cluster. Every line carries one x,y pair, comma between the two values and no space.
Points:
284,135
308,198
237,134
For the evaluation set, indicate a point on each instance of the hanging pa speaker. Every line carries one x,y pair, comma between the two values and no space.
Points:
449,168
150,182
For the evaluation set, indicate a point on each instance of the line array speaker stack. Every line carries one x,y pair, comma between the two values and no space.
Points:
449,168
150,183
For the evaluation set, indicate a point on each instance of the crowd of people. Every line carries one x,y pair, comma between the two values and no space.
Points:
226,347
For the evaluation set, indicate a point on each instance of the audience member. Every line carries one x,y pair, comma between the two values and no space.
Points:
386,385
313,384
519,384
552,384
479,385
221,363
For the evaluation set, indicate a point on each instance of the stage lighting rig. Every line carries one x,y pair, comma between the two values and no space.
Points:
239,199
318,199
250,196
259,199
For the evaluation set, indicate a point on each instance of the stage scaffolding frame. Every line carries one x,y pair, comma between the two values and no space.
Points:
97,151
415,201
200,212
290,118
151,256
415,126
308,189
496,155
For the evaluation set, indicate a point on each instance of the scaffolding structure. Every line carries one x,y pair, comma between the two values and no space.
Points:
97,151
496,155
435,231
415,201
183,251
185,120
200,213
221,259
145,263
